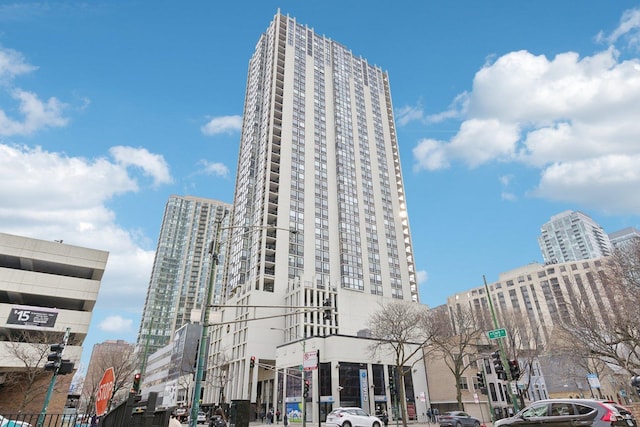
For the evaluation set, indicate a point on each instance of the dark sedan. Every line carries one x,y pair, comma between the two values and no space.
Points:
457,419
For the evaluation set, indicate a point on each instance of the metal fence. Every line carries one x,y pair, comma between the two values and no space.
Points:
131,413
49,420
136,413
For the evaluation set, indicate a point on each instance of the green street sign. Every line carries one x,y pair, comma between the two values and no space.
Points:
497,333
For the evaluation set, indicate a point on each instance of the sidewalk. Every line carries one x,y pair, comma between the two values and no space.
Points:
412,423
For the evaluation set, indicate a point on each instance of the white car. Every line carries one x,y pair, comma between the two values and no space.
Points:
11,423
352,417
200,419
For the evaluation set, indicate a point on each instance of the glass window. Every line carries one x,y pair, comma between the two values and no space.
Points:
536,411
560,409
583,410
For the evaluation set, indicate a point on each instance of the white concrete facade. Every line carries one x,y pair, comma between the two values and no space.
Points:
573,236
46,287
319,217
541,295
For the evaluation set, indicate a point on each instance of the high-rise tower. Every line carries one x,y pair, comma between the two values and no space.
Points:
572,236
320,234
181,269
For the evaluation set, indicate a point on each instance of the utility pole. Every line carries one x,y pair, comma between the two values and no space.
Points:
206,306
503,356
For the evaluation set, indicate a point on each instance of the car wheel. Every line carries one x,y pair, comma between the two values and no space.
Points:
458,424
476,424
346,424
376,424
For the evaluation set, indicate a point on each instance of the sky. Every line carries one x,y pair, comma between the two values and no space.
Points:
507,113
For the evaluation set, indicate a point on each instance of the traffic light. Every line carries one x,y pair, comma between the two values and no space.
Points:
305,393
327,310
54,358
136,383
514,368
498,366
252,362
481,385
66,367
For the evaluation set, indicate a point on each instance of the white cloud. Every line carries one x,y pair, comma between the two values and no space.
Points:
569,117
12,64
152,165
55,182
629,26
52,196
213,168
430,154
505,182
33,113
36,115
224,124
477,142
422,276
607,183
408,114
115,324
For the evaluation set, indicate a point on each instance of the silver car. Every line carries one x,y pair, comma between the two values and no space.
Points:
570,413
351,417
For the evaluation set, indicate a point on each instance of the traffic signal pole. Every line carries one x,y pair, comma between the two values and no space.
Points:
52,384
503,356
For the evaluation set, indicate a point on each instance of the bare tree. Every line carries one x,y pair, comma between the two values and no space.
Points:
524,343
31,348
401,328
607,328
455,339
123,362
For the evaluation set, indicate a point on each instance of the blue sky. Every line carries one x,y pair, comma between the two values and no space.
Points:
507,113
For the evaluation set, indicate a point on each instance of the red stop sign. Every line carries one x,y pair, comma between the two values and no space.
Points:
105,389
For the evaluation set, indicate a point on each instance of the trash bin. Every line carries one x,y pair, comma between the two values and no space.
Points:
239,413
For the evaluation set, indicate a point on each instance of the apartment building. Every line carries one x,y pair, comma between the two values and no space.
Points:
320,232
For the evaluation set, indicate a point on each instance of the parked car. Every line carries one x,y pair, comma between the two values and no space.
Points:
352,417
201,418
457,419
11,423
571,412
181,414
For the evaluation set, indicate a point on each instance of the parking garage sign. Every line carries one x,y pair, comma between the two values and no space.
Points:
24,315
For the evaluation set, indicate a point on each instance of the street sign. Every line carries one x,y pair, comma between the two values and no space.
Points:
104,392
497,333
594,382
310,361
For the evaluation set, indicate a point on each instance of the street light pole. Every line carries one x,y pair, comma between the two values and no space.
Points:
304,398
207,305
503,355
